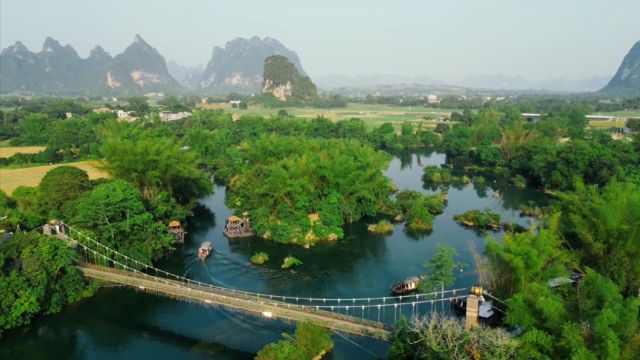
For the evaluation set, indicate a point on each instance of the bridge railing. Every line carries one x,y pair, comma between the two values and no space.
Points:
371,308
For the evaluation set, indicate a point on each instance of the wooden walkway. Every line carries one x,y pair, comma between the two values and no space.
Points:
237,301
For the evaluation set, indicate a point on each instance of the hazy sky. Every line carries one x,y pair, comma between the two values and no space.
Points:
450,40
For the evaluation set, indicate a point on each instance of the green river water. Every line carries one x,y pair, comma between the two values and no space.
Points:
120,323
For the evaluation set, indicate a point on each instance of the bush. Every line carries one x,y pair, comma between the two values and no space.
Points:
479,219
437,175
290,261
259,258
382,227
439,337
519,181
310,341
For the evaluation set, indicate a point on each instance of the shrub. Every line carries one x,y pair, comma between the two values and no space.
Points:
382,227
479,219
290,261
519,181
259,258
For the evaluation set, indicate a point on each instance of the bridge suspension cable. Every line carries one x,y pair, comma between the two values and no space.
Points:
311,302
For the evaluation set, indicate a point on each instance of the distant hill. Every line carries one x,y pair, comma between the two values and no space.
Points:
502,82
140,69
238,67
626,81
283,80
188,76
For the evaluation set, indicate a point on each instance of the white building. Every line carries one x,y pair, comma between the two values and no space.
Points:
169,116
126,115
432,99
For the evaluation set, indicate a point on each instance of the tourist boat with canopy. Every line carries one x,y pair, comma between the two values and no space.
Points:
405,286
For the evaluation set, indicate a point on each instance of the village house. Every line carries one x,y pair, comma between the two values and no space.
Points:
432,99
169,116
126,115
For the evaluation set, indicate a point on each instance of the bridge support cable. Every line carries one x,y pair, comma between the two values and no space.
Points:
119,260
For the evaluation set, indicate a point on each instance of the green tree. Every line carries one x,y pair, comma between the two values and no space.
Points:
441,268
37,275
445,338
115,212
309,341
59,187
33,129
72,137
139,104
156,165
603,224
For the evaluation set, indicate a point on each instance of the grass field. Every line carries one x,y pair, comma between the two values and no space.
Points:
632,113
617,123
8,151
31,176
373,115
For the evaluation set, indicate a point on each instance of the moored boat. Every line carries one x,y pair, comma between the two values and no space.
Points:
405,286
205,250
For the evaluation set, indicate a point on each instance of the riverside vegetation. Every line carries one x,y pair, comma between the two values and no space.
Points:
595,179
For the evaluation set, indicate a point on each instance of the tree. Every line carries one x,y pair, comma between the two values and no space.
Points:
72,137
138,104
457,143
59,187
603,224
309,342
37,275
173,104
156,165
441,268
33,129
300,190
513,138
591,321
444,338
115,212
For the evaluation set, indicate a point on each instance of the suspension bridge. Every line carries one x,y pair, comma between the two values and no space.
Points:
365,316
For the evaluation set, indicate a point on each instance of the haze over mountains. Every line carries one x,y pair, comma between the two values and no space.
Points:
627,78
484,81
238,67
58,69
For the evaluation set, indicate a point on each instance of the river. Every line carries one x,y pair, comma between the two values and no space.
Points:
120,323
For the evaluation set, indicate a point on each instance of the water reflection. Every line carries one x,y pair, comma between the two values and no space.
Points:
124,324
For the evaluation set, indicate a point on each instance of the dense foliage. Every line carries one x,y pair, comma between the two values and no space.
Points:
550,153
445,338
300,190
441,269
598,316
37,275
479,219
115,213
308,342
418,209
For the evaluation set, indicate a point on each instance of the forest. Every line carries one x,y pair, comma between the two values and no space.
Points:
301,180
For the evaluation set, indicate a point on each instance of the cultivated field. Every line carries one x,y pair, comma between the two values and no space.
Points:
31,176
607,124
373,115
8,151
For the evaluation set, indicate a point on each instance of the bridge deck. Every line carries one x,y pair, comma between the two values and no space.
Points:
234,300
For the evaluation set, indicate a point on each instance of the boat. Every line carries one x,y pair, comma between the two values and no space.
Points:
205,250
405,286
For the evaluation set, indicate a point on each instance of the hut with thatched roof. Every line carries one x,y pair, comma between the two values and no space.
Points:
176,229
238,226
